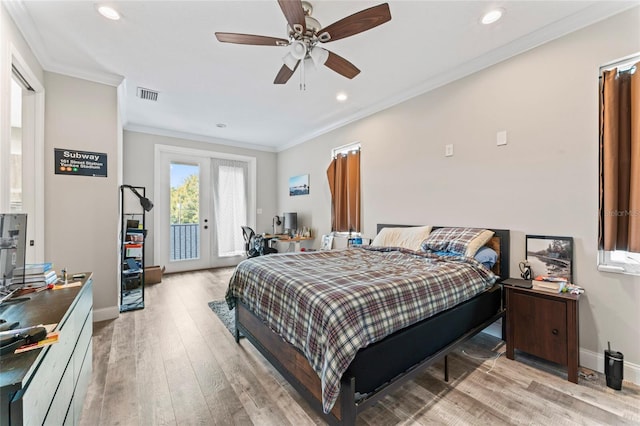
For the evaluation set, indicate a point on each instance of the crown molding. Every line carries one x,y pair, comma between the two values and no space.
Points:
599,11
195,137
27,27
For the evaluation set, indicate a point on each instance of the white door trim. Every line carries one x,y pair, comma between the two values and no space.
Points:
158,192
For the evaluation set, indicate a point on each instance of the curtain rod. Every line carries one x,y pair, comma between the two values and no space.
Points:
627,61
21,78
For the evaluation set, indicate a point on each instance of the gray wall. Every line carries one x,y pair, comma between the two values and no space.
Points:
138,169
81,223
545,181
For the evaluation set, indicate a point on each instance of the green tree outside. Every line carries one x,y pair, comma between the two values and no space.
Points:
185,202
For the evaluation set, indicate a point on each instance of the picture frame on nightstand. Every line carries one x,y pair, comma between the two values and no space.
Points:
550,257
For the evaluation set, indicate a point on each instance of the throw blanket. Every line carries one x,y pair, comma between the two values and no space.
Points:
330,304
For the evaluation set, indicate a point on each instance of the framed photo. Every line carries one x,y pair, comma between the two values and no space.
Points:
327,242
299,185
550,256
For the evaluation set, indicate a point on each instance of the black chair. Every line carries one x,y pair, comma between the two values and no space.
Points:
249,235
255,245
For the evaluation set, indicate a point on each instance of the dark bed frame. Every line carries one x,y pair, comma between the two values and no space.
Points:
384,366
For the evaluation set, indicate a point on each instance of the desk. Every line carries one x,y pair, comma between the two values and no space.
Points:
293,241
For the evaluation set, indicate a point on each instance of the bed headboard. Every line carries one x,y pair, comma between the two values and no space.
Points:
499,242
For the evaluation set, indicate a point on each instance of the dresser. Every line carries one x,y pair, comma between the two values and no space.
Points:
48,385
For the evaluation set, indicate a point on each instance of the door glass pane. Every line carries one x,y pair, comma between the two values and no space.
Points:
15,155
184,233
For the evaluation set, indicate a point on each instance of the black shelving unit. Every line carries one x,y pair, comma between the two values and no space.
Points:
132,239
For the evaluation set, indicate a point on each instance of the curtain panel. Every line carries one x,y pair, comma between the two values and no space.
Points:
230,201
620,161
344,183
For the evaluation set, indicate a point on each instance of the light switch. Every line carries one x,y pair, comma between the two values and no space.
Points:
259,211
448,150
501,138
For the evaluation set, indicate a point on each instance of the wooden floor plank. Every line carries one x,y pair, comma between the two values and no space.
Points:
175,363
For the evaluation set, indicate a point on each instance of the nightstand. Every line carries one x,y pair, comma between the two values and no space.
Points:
544,324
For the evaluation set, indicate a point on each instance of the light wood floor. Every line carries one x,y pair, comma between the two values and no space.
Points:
174,363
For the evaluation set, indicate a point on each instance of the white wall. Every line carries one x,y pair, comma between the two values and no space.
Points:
81,211
138,170
545,181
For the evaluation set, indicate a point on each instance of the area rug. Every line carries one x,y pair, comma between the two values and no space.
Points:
228,317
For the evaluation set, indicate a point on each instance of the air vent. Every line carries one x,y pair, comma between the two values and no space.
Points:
148,94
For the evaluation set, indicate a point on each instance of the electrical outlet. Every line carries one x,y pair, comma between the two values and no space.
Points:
448,150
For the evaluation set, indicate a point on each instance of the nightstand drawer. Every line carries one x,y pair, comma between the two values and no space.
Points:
540,327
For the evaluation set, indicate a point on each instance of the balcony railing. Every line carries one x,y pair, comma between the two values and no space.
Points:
184,241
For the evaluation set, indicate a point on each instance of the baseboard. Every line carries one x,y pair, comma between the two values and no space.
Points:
111,312
595,361
589,359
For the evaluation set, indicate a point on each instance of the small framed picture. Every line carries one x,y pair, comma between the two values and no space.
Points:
299,185
327,242
550,257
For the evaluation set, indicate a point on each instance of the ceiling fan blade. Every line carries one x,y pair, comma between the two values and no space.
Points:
251,39
341,65
285,74
356,23
294,13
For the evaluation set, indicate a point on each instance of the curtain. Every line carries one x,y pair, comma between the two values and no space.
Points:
230,201
620,161
344,183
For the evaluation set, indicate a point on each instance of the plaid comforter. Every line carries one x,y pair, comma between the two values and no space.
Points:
330,304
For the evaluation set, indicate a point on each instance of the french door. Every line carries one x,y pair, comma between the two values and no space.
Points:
203,199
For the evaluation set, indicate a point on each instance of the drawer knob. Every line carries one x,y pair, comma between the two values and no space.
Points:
554,331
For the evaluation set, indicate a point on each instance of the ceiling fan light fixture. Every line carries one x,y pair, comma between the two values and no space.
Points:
290,61
298,49
319,56
492,16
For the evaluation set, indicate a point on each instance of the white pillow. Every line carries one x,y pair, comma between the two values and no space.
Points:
409,238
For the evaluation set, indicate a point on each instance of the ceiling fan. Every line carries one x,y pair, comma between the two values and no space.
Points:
305,34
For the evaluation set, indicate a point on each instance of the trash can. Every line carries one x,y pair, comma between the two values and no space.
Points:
613,366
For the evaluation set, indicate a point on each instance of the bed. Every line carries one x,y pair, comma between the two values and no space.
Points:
271,310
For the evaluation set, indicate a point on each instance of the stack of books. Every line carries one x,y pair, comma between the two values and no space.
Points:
36,276
556,285
550,286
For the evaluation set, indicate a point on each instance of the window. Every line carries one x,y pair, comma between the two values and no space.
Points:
619,229
344,183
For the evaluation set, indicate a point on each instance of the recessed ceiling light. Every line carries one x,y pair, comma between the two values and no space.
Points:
221,125
492,16
341,97
109,12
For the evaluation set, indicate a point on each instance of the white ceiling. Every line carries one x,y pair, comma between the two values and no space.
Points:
169,46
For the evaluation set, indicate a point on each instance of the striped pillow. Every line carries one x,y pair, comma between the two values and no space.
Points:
461,241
